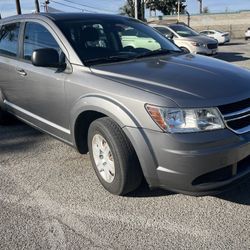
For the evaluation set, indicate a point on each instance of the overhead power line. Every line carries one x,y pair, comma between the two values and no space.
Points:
73,7
88,6
85,9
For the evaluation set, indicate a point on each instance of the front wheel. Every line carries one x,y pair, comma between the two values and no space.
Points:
186,50
113,157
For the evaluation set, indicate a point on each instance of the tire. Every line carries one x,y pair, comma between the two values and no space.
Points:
123,173
186,50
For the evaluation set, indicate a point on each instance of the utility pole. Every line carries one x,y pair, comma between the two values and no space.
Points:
178,10
143,9
18,7
200,6
136,9
37,6
46,3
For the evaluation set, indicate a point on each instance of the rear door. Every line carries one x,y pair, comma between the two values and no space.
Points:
9,56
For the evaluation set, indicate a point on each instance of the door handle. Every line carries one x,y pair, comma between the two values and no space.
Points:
21,72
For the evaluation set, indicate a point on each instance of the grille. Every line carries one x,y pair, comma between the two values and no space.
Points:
237,116
212,46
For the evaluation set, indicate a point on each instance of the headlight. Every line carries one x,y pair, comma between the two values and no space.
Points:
198,44
174,120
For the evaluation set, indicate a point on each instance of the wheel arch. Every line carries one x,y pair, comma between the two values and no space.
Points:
89,108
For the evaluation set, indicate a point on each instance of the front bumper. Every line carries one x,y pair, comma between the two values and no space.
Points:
204,51
195,164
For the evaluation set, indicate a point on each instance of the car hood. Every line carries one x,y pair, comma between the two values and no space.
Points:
199,39
189,80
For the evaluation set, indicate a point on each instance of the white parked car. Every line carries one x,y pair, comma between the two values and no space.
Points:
247,34
220,36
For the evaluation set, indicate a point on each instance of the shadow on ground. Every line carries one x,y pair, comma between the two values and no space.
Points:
232,56
18,137
239,194
145,192
230,44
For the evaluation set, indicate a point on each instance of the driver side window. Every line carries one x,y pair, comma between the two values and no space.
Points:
37,36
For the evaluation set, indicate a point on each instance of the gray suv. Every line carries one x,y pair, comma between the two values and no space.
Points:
181,121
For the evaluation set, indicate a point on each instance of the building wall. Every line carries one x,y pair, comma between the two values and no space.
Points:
236,23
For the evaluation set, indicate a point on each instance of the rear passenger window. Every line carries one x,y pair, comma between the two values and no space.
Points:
9,39
37,36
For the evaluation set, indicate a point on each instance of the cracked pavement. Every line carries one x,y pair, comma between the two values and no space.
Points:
50,198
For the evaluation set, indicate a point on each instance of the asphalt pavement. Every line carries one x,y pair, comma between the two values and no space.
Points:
236,52
50,198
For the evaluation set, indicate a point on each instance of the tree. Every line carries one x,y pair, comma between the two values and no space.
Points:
205,10
201,2
128,9
167,7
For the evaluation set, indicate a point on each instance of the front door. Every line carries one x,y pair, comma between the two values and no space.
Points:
42,93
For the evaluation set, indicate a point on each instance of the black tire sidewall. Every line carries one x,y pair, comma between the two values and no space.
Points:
116,186
186,50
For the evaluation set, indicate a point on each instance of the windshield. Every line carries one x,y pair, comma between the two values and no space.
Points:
105,40
183,31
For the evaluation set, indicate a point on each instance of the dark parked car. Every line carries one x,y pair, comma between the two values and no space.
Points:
180,120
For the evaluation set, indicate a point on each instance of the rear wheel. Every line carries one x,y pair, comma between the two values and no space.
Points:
113,157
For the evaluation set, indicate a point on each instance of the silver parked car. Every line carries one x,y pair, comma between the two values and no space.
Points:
188,39
180,120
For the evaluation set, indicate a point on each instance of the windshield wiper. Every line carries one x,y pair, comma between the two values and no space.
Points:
115,58
124,57
154,53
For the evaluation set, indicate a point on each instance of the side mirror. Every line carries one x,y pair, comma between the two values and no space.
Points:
45,58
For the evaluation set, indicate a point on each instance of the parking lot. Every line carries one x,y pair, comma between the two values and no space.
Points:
50,198
236,52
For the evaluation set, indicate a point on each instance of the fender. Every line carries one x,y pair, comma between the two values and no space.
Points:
104,105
